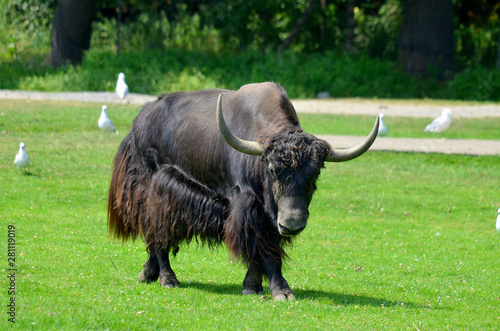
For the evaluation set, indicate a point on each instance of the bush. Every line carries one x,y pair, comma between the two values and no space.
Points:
162,53
26,27
159,72
476,84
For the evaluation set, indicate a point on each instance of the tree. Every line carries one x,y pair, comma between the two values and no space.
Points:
498,54
286,43
350,24
426,37
71,31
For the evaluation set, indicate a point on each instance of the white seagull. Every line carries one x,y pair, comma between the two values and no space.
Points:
104,122
382,129
22,159
121,86
440,123
498,220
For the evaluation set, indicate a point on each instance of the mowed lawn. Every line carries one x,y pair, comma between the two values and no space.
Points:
394,240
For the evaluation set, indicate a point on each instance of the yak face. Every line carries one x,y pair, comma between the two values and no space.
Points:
294,161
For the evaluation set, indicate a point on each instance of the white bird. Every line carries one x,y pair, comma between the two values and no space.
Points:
22,159
104,122
121,86
382,129
498,220
440,123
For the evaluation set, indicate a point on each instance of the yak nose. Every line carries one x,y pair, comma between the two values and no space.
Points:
284,231
292,217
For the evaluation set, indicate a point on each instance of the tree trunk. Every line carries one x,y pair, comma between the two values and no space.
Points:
71,31
426,37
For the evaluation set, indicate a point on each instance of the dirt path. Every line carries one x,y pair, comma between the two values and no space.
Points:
344,106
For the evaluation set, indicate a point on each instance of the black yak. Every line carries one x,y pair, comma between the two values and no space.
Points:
183,173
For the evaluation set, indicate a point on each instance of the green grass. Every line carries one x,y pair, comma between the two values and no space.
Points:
394,241
401,127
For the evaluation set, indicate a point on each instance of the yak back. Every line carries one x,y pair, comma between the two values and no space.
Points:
181,129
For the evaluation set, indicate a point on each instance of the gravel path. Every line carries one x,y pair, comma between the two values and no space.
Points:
350,107
100,97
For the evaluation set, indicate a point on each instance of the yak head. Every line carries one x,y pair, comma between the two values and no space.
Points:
294,160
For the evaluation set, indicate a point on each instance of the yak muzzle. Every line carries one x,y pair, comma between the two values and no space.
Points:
292,217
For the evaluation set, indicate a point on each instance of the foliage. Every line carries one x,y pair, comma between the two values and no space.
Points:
158,72
156,31
29,15
185,45
394,241
476,84
477,32
25,27
478,46
377,34
235,26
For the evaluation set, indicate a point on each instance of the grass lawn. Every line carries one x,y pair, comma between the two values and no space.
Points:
401,127
394,240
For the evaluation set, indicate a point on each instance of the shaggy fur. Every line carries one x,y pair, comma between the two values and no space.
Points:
167,205
175,179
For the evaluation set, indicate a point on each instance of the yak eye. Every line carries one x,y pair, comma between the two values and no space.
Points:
272,169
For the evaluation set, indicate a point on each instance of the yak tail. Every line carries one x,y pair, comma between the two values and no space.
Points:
126,192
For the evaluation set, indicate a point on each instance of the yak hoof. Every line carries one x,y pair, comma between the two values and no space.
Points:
169,282
148,276
250,291
283,296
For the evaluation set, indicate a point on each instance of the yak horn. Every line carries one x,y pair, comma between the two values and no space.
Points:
341,155
244,146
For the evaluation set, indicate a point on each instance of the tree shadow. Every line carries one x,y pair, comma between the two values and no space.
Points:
335,299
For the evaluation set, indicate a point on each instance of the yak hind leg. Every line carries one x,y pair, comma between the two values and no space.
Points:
167,275
151,270
252,284
158,266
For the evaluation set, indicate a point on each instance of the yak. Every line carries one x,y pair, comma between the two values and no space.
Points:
221,167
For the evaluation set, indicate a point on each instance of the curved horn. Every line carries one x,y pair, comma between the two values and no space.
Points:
244,146
341,155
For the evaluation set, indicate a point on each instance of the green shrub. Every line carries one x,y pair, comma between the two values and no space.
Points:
476,84
159,72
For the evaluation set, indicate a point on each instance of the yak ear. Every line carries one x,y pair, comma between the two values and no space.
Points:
341,155
244,146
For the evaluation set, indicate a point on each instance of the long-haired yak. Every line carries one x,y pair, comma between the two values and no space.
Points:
220,166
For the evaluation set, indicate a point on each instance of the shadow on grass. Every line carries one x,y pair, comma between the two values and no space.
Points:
214,287
30,174
340,299
351,299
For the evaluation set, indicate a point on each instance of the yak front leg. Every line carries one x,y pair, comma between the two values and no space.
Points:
280,290
252,284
